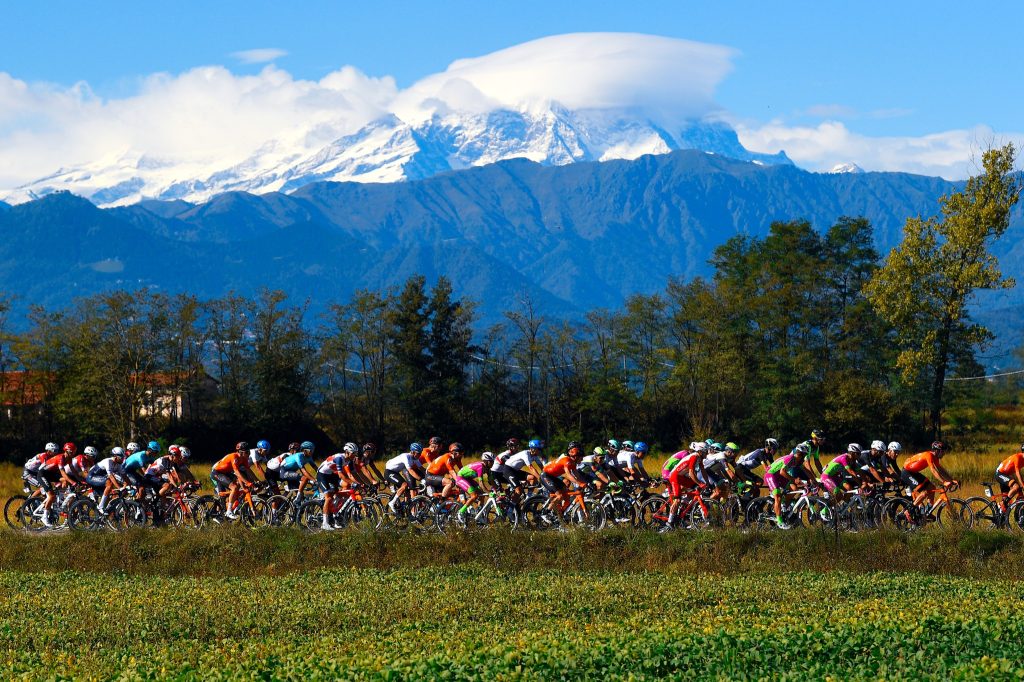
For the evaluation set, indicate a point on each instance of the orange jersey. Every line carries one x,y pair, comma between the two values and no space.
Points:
921,461
428,455
442,464
1014,462
559,466
227,462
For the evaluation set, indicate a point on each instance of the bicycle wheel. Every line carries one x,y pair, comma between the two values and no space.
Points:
1015,516
708,516
252,515
653,513
279,511
586,514
900,514
956,514
732,512
620,511
536,515
761,513
12,509
813,512
210,510
311,515
84,515
444,514
987,514
364,516
30,514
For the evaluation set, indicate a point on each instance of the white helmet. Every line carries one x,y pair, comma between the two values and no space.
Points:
185,452
132,448
90,451
351,448
117,452
702,447
52,447
895,447
877,445
853,449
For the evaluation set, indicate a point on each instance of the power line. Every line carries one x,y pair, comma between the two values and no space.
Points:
987,376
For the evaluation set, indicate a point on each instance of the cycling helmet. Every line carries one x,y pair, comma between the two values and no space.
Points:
90,451
732,447
701,447
293,446
818,433
52,447
574,449
263,444
512,444
853,449
435,440
185,452
717,447
535,444
117,452
307,445
709,442
174,450
937,445
627,445
132,448
613,444
802,448
487,457
350,448
241,445
599,451
771,444
415,448
70,448
895,447
877,445
641,446
369,447
455,448
154,446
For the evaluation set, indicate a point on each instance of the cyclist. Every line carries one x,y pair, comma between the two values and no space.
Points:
52,475
77,468
1009,477
272,475
780,474
258,457
914,468
630,462
30,473
525,463
872,462
836,472
432,451
183,471
593,469
298,467
135,467
672,460
368,465
403,472
107,475
553,472
131,449
762,457
470,480
499,472
332,477
892,452
230,473
683,478
162,474
442,471
718,468
812,460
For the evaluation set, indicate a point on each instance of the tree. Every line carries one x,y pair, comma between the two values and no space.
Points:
451,349
409,319
927,282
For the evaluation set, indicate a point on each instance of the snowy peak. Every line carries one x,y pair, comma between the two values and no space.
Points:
841,168
390,149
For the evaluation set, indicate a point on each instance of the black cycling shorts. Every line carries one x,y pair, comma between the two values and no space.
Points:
48,478
328,482
221,481
434,481
516,477
747,474
553,484
1005,481
397,478
913,480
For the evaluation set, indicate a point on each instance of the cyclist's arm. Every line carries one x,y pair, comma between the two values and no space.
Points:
941,472
895,469
814,465
377,475
243,476
1016,474
874,473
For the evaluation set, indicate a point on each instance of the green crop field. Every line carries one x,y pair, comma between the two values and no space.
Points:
474,623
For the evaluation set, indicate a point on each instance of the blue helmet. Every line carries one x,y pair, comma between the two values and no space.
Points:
263,444
307,445
154,446
641,446
415,448
535,444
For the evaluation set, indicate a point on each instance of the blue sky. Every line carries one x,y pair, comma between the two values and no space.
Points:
821,79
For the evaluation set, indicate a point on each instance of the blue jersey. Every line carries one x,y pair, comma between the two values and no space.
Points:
296,461
140,460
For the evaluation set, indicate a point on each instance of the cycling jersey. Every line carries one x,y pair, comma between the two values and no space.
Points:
34,463
333,464
160,466
107,467
628,459
716,464
838,464
256,458
54,462
1012,463
687,463
228,462
521,459
404,461
754,459
444,463
274,463
559,466
813,452
594,463
780,464
140,460
429,454
500,458
671,461
474,470
295,461
921,461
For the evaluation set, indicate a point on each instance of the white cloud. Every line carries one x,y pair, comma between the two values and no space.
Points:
260,55
952,154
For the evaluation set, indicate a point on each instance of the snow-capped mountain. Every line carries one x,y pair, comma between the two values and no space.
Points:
841,168
390,149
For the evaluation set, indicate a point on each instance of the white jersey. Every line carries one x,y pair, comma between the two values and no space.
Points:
522,459
256,458
628,459
275,462
406,460
111,465
500,459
